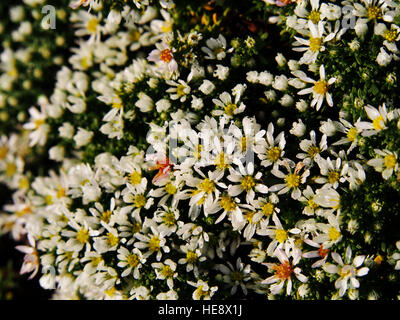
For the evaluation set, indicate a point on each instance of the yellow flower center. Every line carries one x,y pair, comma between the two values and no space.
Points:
249,216
38,123
191,257
315,44
167,272
92,25
60,192
281,235
48,199
230,109
169,219
154,244
391,35
11,169
3,152
378,123
136,227
85,63
374,12
274,154
112,240
314,16
139,200
237,276
313,151
333,177
321,87
82,236
110,292
221,161
207,186
334,234
248,183
312,204
133,260
227,203
170,188
23,183
96,261
268,209
352,134
180,90
390,161
292,180
134,35
105,216
135,178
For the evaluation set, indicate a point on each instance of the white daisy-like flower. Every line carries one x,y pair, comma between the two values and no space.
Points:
348,271
271,150
235,276
314,45
247,181
333,172
311,148
385,162
311,207
164,57
322,252
379,119
203,290
130,261
179,90
319,90
38,126
293,179
154,240
166,271
216,48
206,190
226,106
283,272
351,131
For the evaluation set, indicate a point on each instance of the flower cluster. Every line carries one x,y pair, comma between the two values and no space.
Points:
189,156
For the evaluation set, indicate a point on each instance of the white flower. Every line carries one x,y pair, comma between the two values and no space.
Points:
207,87
280,83
385,162
83,137
163,105
379,119
298,128
247,181
216,48
221,72
235,276
163,56
314,44
229,107
383,58
130,260
348,272
38,126
66,130
145,103
284,271
320,88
